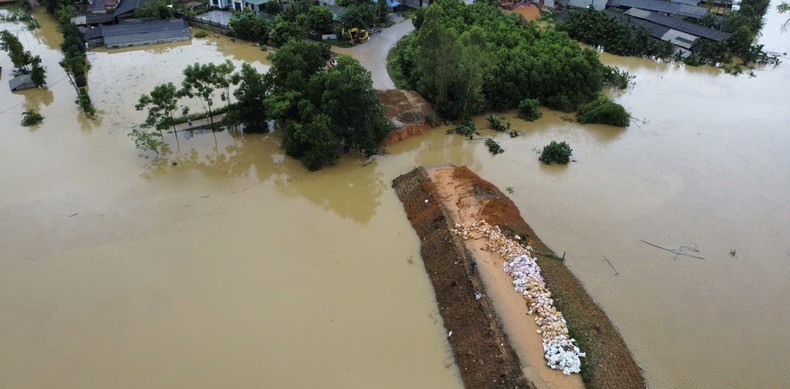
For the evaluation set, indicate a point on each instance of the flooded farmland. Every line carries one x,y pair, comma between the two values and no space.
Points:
237,267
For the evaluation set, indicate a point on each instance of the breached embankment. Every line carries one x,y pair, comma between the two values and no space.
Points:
476,298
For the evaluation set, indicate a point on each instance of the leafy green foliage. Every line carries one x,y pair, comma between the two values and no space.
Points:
319,19
556,153
201,80
359,16
154,9
162,102
285,31
323,111
250,27
603,111
615,34
469,58
201,34
31,118
467,129
498,124
250,95
528,109
146,140
494,147
616,78
75,63
11,45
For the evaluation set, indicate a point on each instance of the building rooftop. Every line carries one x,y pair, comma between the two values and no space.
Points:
662,6
677,24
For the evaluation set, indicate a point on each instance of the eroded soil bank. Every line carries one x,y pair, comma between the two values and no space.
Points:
484,356
608,363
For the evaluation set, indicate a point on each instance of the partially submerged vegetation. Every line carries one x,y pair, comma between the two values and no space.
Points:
324,111
18,12
467,59
74,62
603,111
556,153
24,62
31,118
616,35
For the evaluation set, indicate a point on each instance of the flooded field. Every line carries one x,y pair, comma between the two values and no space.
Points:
237,267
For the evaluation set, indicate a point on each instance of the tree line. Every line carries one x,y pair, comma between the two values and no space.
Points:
303,16
74,62
467,59
324,111
23,61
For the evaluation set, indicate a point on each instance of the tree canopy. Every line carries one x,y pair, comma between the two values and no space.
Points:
469,58
324,111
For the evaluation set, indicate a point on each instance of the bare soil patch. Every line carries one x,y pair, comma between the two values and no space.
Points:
608,364
484,356
408,111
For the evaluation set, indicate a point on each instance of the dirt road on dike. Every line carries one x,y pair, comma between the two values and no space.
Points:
373,53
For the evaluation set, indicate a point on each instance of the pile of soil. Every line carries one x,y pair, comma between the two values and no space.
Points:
609,362
408,111
406,106
482,353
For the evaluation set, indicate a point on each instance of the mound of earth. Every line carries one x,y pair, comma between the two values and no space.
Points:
608,363
408,111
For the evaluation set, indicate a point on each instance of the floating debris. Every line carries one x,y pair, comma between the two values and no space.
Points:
560,349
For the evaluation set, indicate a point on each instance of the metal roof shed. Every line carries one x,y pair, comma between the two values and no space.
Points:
145,33
680,25
662,6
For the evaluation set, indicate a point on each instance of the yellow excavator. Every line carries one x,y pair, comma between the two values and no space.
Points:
357,35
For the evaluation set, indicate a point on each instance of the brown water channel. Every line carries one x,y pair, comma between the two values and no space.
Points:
238,268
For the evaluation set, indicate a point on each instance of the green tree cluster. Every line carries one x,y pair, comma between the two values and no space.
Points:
603,111
286,30
469,58
320,19
528,109
615,34
556,153
23,61
31,118
324,111
75,63
250,27
154,9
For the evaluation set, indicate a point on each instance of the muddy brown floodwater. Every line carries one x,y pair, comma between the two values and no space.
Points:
236,267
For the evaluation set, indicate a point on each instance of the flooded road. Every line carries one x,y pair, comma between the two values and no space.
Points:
237,267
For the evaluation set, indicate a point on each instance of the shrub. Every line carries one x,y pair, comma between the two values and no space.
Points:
603,111
616,78
556,152
494,147
528,110
201,34
31,118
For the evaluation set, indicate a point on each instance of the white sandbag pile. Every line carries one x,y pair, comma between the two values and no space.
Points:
560,349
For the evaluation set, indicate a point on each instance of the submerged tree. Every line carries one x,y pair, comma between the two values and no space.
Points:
146,140
200,81
162,102
250,95
11,44
37,73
